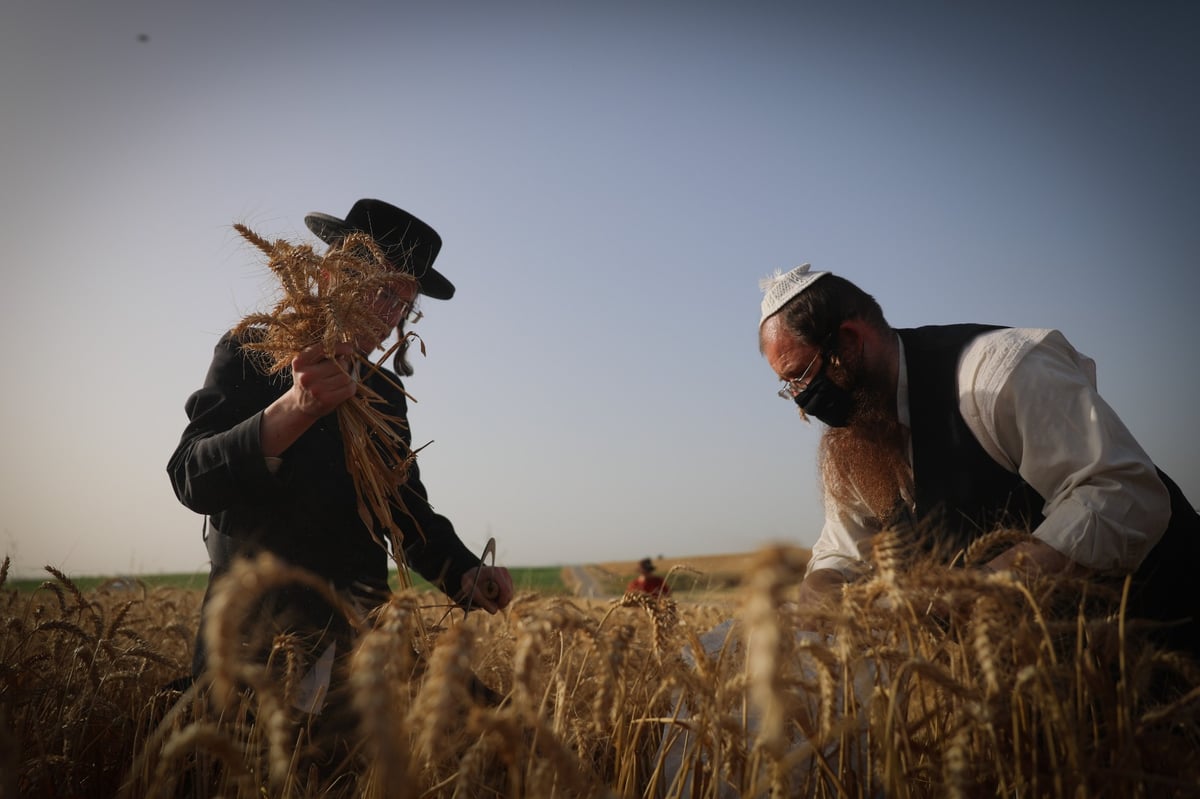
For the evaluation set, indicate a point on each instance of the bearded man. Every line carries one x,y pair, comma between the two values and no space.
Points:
959,430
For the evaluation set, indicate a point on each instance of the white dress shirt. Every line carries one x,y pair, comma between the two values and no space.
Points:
1030,399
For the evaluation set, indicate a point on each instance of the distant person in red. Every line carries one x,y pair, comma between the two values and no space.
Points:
648,582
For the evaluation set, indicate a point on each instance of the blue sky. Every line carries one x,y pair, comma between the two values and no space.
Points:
611,182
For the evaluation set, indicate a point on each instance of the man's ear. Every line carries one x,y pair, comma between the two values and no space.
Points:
851,334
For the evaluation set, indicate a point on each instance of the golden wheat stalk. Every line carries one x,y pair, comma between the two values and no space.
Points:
325,300
233,602
381,670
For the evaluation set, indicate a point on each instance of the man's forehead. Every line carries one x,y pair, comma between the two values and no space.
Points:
784,350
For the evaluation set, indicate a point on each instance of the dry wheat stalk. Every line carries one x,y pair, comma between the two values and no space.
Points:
989,627
444,697
380,675
777,569
196,736
326,299
233,601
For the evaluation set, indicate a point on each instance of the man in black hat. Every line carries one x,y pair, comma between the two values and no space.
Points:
263,459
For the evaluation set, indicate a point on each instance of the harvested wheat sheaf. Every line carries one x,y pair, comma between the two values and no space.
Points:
325,299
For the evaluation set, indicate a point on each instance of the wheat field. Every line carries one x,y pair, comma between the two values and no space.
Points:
920,683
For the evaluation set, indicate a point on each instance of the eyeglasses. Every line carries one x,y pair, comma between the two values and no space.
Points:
792,388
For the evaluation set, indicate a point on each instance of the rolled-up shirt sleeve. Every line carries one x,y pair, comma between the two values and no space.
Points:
1031,400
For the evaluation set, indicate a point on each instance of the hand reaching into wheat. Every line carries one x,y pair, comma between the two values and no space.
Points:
487,587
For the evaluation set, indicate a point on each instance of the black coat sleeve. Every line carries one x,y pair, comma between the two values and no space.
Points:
219,461
432,548
305,508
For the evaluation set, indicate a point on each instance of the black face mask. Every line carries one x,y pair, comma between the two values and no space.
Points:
826,400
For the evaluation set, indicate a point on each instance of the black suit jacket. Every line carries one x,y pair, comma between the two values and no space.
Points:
305,512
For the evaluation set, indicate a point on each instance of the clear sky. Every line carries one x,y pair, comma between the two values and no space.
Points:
611,181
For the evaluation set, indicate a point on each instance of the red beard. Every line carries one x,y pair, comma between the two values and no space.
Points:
867,461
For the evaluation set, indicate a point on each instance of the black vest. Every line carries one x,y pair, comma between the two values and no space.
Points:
961,492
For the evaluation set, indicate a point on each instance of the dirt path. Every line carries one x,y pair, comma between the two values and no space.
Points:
581,582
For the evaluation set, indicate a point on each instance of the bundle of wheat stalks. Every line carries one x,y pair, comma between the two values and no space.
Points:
326,300
920,683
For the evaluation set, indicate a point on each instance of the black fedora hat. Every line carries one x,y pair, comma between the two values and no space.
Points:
410,244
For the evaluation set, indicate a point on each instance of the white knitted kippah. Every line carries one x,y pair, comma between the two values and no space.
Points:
783,286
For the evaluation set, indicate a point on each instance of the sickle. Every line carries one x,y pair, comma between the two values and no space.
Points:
491,589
